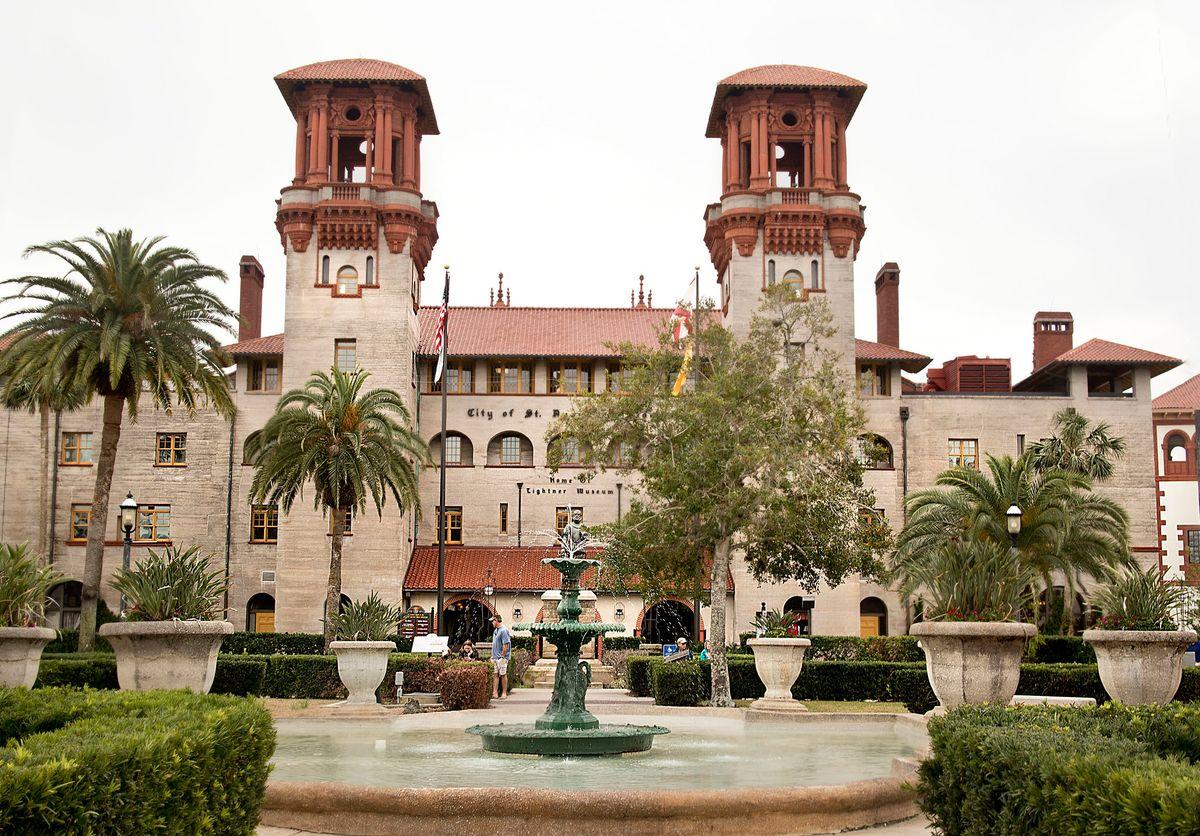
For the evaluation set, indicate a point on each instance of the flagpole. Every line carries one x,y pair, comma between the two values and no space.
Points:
696,361
441,512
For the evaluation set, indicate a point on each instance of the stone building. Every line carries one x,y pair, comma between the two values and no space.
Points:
1176,422
358,237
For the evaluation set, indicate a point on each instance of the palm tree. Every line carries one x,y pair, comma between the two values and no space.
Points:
1065,527
352,445
128,319
1077,446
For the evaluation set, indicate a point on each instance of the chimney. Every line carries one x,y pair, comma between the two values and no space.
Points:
250,308
1053,335
887,304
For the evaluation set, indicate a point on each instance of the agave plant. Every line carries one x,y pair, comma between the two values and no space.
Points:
1138,600
971,581
774,624
24,586
172,585
369,620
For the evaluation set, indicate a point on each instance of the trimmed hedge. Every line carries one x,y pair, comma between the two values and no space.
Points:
117,762
622,643
638,675
854,648
1057,649
466,685
1110,769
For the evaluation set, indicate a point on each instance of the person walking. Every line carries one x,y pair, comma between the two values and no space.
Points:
501,651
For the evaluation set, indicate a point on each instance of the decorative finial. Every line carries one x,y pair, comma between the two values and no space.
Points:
631,297
497,296
508,298
650,299
641,303
491,298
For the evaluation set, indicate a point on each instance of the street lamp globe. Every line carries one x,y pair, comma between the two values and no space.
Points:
128,513
1013,515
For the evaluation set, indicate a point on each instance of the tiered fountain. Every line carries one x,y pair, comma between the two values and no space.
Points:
567,727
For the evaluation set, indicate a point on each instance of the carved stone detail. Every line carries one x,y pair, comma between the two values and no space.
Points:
846,229
295,224
794,230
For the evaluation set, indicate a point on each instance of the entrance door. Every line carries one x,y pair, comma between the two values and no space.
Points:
868,626
264,622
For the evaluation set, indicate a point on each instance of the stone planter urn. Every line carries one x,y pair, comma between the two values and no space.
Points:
1140,667
971,662
361,666
21,654
153,655
778,663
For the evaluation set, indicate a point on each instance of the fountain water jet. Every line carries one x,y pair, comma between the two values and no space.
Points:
567,727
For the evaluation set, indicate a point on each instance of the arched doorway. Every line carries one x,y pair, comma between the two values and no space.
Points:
468,618
67,598
872,617
260,613
801,607
667,621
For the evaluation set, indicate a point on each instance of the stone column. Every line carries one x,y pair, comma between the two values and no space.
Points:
843,180
386,144
408,178
323,141
333,163
313,122
301,139
735,154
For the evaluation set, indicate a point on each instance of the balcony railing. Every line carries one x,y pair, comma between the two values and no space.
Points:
347,191
795,197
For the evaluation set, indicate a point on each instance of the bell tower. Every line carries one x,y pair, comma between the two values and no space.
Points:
357,235
786,212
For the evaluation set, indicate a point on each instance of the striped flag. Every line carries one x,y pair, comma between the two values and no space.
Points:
439,338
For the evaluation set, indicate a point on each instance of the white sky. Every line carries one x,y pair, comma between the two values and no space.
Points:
1013,156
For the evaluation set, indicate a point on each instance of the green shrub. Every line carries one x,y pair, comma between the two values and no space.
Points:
529,643
240,675
270,644
24,586
1110,769
637,672
303,677
172,584
681,683
1054,649
855,649
119,762
910,685
368,620
97,670
518,665
622,643
466,685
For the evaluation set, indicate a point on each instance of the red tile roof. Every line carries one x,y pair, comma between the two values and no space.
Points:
1102,352
779,75
909,361
1057,315
260,346
1184,397
351,70
542,332
512,569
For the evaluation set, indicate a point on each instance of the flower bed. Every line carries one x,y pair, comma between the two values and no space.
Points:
121,762
1111,769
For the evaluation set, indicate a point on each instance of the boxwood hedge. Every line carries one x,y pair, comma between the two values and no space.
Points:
84,761
1110,769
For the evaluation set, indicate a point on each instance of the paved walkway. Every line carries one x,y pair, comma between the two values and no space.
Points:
918,826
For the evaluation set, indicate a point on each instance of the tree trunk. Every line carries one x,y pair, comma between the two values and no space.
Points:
715,644
44,486
93,558
333,593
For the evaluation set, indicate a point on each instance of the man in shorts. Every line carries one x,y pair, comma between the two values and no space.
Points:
501,651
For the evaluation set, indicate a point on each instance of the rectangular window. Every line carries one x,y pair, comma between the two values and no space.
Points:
503,517
570,377
76,448
562,516
963,452
510,449
348,526
453,450
873,380
81,514
263,375
1193,545
510,377
154,523
345,354
264,524
616,377
172,450
459,377
450,524
569,451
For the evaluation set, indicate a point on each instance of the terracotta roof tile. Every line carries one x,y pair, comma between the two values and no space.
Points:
362,70
910,361
542,332
779,75
1103,352
1185,396
1053,315
512,569
260,346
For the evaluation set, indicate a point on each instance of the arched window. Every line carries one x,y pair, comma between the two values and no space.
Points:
370,277
872,617
793,277
771,272
324,269
260,613
510,449
569,451
347,281
815,274
874,452
459,450
1177,455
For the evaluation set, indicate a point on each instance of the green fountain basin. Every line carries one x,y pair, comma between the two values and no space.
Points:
606,739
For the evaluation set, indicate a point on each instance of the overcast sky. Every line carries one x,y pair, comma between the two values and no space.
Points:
1013,156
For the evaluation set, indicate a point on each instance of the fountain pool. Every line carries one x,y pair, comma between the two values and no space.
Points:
702,752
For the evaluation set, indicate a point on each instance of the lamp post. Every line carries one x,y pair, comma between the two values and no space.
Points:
520,490
1013,519
128,521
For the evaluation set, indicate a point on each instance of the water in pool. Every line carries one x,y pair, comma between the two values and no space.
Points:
699,753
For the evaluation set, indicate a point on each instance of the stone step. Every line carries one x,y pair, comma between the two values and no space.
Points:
541,674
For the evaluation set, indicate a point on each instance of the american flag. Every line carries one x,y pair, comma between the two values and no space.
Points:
439,338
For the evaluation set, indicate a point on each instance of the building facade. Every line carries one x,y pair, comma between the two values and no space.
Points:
1176,425
358,235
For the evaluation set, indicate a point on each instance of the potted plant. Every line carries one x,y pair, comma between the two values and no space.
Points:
1138,641
971,592
778,658
24,587
169,638
360,643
